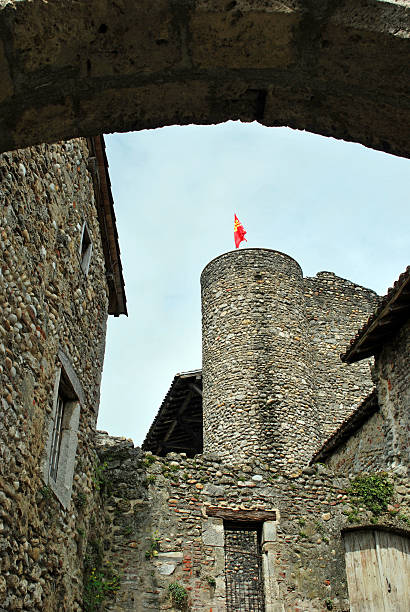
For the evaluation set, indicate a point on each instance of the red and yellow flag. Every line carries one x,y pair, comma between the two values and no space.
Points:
238,232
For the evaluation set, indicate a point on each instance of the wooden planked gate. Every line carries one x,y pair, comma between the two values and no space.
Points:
378,570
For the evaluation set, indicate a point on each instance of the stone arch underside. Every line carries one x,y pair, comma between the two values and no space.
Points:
73,68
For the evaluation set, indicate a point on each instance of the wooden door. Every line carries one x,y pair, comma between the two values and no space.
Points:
378,571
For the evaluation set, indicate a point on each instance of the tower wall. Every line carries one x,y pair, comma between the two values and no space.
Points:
258,398
336,308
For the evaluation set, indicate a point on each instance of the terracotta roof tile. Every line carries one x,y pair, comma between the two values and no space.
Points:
392,312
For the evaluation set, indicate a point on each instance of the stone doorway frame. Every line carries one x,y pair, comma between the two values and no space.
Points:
213,537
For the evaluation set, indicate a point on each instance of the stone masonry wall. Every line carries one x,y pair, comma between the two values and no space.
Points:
258,396
46,303
158,530
383,441
392,371
336,309
273,381
364,451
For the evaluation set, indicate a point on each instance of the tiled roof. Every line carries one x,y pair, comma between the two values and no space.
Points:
392,312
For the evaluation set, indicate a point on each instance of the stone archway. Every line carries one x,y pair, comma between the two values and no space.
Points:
70,68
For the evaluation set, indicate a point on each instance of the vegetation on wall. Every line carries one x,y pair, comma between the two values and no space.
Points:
80,500
373,491
149,459
179,595
153,547
98,476
100,579
46,493
211,581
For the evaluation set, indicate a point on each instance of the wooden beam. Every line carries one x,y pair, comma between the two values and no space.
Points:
186,403
181,447
190,431
196,388
385,321
175,422
397,307
195,422
229,514
369,350
169,432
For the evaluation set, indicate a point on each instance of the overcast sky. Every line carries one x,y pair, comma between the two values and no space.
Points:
331,205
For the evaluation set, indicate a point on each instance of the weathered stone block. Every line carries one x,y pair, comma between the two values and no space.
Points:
269,531
265,38
213,533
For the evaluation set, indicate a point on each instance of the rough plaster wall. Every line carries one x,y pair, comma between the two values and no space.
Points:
163,500
336,309
393,385
258,396
364,451
45,302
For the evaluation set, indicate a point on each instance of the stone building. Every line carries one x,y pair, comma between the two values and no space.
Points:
301,471
252,488
377,434
60,276
338,69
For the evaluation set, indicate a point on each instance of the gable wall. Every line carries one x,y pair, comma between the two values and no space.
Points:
393,385
364,451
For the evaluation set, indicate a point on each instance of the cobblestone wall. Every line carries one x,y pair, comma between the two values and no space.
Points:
257,389
393,384
161,533
364,451
273,381
336,308
46,303
383,441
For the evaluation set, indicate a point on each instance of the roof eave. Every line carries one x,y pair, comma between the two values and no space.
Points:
109,234
154,436
392,313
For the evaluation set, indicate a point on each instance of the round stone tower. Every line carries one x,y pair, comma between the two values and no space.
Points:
258,398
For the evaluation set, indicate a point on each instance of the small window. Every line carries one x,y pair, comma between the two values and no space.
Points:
61,446
86,247
56,437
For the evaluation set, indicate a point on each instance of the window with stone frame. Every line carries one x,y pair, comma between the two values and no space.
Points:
86,247
61,448
57,435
